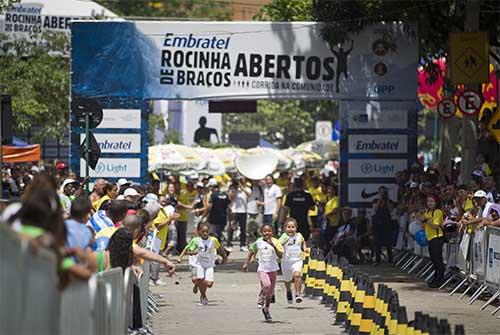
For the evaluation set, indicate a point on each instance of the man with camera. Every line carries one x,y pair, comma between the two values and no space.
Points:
238,195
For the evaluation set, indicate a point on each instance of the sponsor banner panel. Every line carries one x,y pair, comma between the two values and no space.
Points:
114,167
377,144
377,115
375,168
117,143
120,119
493,266
367,192
201,60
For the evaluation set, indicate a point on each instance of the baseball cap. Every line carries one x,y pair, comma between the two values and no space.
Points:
153,208
480,194
478,173
130,192
212,182
150,197
200,184
67,182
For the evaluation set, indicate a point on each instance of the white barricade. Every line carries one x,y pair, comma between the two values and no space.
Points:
76,309
31,303
479,247
29,297
493,257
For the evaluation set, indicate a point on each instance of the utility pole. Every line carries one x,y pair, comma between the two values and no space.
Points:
470,122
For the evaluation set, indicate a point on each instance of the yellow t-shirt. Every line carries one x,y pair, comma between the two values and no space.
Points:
317,196
436,217
467,207
99,202
186,197
283,184
331,205
486,169
162,231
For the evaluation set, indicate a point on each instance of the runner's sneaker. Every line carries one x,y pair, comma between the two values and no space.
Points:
298,299
289,297
244,249
267,315
195,289
261,301
204,302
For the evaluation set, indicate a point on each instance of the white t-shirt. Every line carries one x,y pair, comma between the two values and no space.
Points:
486,209
239,203
255,195
270,196
268,260
292,246
206,251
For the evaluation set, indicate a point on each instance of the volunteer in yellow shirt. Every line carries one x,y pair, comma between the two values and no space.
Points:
186,198
433,225
332,214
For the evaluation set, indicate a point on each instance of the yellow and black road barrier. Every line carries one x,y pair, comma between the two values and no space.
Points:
357,306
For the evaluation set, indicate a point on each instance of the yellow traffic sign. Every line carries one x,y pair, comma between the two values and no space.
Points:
494,126
469,58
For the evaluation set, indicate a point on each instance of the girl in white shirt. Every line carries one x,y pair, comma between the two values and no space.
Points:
291,265
268,250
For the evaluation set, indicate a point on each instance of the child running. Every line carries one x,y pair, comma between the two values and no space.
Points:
205,247
291,264
192,261
268,250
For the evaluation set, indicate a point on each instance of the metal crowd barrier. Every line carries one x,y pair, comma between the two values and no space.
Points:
29,297
477,258
31,303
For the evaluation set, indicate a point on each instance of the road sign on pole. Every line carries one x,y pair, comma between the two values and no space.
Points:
324,130
470,102
447,108
494,126
469,55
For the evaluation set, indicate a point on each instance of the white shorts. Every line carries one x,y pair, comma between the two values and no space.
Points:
205,273
289,268
194,272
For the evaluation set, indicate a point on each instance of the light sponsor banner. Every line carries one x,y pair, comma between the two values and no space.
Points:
120,119
479,250
114,168
368,144
117,143
493,266
201,60
375,168
368,192
377,115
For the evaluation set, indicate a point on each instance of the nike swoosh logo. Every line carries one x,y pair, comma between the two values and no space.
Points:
365,195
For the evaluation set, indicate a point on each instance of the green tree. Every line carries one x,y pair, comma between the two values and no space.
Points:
179,9
37,76
284,123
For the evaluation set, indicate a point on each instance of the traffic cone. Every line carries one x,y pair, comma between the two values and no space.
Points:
357,306
311,274
385,314
377,324
402,326
444,327
354,291
425,324
344,298
305,266
368,313
459,330
336,280
320,276
433,326
392,323
327,298
417,323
